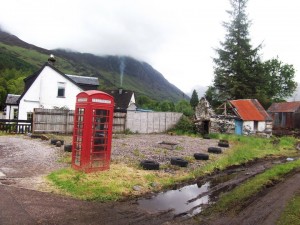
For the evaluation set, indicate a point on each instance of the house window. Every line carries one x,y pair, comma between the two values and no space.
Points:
61,89
29,115
15,113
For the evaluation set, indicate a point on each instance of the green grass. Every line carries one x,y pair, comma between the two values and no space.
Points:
246,149
118,182
291,214
233,201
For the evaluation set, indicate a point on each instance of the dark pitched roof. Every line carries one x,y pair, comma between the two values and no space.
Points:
12,99
30,79
250,109
122,98
84,80
284,107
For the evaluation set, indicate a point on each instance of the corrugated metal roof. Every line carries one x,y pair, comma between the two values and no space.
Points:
284,107
250,110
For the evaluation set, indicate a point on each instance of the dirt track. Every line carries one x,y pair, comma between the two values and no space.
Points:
267,208
24,161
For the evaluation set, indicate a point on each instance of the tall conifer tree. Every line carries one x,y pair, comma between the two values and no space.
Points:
238,66
239,71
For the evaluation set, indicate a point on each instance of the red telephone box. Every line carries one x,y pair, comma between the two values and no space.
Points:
92,133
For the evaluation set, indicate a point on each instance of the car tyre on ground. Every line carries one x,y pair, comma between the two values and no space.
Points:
68,148
215,150
201,156
149,165
223,144
54,141
179,162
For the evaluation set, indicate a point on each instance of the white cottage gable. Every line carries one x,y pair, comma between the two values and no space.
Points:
49,89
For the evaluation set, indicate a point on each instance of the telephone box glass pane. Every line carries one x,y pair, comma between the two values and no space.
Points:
78,135
100,135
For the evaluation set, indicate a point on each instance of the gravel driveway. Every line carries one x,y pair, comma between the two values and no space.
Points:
133,148
25,161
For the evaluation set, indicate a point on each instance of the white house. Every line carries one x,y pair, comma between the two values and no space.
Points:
11,103
50,88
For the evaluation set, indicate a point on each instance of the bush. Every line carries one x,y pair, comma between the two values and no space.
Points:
184,125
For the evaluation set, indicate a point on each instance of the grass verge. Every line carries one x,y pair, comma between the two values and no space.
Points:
233,201
291,214
118,182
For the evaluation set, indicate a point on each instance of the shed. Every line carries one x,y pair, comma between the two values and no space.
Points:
286,115
251,117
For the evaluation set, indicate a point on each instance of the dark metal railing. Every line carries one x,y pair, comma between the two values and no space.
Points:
15,126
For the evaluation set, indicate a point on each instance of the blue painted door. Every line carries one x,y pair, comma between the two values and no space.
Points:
238,127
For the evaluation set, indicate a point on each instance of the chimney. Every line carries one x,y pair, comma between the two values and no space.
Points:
51,60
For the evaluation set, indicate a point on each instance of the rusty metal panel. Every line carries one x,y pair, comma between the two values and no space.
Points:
297,120
250,109
285,107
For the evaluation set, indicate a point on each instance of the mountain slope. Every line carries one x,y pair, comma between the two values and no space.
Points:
112,71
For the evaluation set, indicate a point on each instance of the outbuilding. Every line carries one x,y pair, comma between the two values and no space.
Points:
251,117
286,115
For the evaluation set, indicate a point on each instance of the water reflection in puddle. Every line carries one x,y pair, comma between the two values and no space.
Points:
181,201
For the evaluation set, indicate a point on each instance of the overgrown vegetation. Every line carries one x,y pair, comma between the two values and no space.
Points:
184,126
118,182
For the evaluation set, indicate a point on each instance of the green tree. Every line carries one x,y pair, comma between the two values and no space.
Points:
279,79
239,71
184,107
194,99
238,67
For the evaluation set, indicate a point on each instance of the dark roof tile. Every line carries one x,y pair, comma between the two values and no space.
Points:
12,99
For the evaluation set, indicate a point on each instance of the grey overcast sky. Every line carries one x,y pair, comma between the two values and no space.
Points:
177,37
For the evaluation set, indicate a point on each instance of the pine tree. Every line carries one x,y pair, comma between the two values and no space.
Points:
194,99
239,71
238,67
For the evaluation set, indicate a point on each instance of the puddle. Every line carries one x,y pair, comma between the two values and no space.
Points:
184,201
189,200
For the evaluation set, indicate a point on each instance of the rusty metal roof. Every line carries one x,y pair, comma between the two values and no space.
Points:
284,107
250,109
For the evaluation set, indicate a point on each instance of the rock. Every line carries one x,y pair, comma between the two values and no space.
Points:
154,184
58,144
136,188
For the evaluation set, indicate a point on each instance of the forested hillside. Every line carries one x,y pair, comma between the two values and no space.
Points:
19,59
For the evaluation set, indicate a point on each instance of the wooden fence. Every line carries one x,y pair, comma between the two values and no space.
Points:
61,121
15,126
53,121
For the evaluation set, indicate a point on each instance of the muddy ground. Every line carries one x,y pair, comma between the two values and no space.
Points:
24,162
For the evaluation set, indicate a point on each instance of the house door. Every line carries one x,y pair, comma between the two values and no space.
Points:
238,127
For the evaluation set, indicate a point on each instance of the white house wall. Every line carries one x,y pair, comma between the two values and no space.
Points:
250,125
261,126
10,111
43,93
